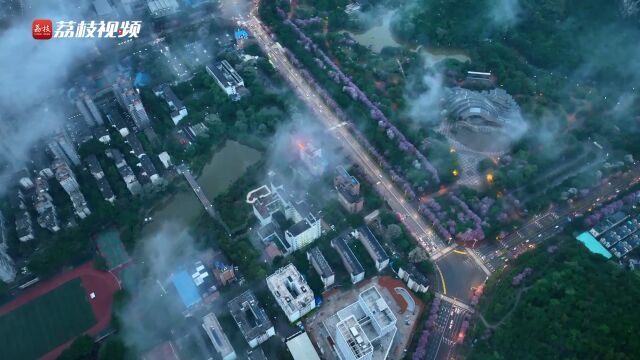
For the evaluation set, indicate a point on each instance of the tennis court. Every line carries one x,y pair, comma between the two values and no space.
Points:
112,249
46,322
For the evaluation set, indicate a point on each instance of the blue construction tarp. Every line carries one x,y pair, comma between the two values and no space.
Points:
187,290
593,244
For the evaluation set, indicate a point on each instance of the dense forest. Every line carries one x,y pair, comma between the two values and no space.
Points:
571,304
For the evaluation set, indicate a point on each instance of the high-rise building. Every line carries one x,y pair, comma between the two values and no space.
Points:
86,115
218,338
47,215
251,318
130,100
365,329
97,117
291,292
62,147
348,189
322,267
67,180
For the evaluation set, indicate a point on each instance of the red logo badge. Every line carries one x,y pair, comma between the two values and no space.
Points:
42,29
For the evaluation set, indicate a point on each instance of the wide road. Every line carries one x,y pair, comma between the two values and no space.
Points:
407,212
551,222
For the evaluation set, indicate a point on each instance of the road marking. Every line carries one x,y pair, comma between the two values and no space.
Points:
461,252
444,285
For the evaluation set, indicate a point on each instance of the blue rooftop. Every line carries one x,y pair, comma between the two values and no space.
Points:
187,290
593,245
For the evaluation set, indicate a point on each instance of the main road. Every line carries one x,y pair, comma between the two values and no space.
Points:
406,210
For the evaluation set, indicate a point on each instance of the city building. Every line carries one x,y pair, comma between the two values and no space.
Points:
125,171
186,288
160,8
312,158
350,261
102,134
24,179
364,329
117,122
348,189
251,319
84,111
67,180
320,264
62,147
414,279
129,98
224,273
291,291
148,170
284,217
103,185
301,348
93,109
165,159
616,235
24,224
227,78
373,247
217,336
178,110
43,203
104,10
7,267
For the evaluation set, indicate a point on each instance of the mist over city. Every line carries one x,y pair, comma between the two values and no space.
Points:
319,179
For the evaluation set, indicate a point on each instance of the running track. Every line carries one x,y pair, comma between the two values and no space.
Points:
103,284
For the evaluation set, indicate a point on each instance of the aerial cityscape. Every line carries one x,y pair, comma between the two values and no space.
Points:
319,179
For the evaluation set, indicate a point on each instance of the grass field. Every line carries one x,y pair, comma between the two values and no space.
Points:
42,324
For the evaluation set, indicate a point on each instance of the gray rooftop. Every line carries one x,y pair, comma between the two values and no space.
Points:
320,261
250,317
348,258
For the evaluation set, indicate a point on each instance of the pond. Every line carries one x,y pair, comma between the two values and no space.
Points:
225,167
380,36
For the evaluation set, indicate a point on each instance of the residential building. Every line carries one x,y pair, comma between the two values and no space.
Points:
301,348
43,203
125,171
67,180
291,291
165,159
217,336
24,225
227,78
224,273
93,109
178,110
117,122
84,111
148,170
62,147
348,188
251,319
350,261
320,264
130,100
102,134
285,217
24,179
103,185
312,158
365,329
373,247
7,267
414,279
160,8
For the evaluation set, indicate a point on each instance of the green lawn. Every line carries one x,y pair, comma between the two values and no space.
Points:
37,327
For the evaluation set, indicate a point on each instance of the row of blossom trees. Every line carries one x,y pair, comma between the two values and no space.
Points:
421,348
336,74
